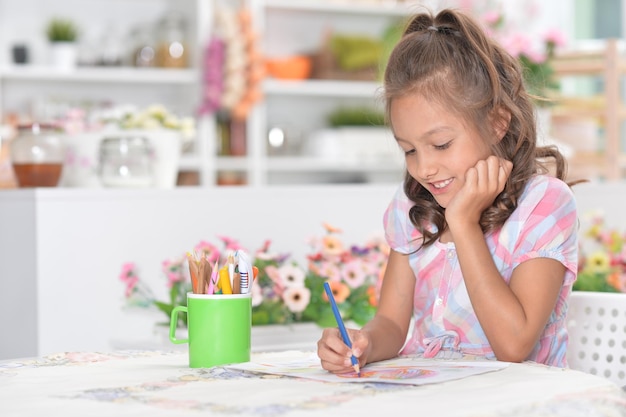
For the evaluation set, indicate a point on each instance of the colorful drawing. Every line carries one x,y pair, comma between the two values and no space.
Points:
391,373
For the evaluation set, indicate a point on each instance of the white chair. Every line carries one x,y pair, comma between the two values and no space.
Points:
596,322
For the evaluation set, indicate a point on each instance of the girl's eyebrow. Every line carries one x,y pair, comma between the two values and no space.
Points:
431,132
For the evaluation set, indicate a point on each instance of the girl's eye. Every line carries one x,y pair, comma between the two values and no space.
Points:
444,146
410,152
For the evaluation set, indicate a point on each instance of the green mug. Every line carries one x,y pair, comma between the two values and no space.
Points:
219,328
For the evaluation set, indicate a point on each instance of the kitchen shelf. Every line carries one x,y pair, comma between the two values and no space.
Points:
388,8
312,164
101,75
325,88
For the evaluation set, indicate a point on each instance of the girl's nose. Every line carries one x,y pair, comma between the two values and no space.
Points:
425,165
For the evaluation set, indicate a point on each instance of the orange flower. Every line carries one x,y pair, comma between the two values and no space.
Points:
615,281
331,229
340,291
331,246
373,296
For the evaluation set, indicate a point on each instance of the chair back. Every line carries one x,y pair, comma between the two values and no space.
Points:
596,322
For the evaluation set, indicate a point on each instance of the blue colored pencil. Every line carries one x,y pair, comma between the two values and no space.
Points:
342,327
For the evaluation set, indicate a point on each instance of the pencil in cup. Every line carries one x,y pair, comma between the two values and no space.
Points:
342,327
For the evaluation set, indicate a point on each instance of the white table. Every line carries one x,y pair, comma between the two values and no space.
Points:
159,383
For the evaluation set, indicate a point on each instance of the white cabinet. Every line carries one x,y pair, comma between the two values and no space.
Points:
62,250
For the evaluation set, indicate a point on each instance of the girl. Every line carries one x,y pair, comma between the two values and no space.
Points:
484,244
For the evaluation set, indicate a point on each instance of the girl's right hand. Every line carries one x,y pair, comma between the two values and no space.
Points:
335,354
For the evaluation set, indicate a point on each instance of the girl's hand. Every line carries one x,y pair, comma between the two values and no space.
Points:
483,182
335,354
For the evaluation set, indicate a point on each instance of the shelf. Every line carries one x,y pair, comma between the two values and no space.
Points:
384,8
312,164
101,74
322,88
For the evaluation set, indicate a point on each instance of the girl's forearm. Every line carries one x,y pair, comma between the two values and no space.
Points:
385,338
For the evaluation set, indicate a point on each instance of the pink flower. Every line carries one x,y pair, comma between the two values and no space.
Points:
297,298
353,273
174,271
555,37
209,250
492,18
274,274
129,277
330,271
517,44
257,294
230,244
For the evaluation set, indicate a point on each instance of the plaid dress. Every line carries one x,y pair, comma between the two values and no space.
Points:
543,225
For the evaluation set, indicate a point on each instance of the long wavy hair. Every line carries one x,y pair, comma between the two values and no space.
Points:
449,59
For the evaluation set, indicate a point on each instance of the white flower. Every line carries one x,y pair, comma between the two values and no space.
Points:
291,276
297,298
257,294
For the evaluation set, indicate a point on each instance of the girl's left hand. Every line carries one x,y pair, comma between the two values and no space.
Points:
483,182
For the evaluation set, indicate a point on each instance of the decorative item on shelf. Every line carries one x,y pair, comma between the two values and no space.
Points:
242,65
348,57
125,161
602,263
172,50
295,67
283,292
355,134
144,51
167,133
62,35
7,176
37,155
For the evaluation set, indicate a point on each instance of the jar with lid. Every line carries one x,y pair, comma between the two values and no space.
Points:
37,155
172,50
125,161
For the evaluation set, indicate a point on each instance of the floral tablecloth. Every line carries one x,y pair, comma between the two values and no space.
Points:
159,383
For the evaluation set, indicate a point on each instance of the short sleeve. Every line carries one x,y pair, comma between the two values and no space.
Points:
547,216
400,233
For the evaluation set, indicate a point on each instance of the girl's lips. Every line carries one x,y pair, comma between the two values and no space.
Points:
440,186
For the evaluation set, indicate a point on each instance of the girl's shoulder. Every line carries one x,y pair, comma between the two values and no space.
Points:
545,189
543,198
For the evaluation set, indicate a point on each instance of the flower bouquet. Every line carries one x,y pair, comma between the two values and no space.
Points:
287,293
283,292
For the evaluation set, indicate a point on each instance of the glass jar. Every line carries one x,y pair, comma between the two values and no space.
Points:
172,50
125,161
37,155
143,54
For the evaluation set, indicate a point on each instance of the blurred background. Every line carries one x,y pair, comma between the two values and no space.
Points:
165,93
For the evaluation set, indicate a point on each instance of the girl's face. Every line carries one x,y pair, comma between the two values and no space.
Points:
439,148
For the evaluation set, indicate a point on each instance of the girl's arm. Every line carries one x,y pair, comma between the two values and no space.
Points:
512,315
384,336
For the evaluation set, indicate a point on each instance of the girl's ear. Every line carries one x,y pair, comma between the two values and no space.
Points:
500,121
